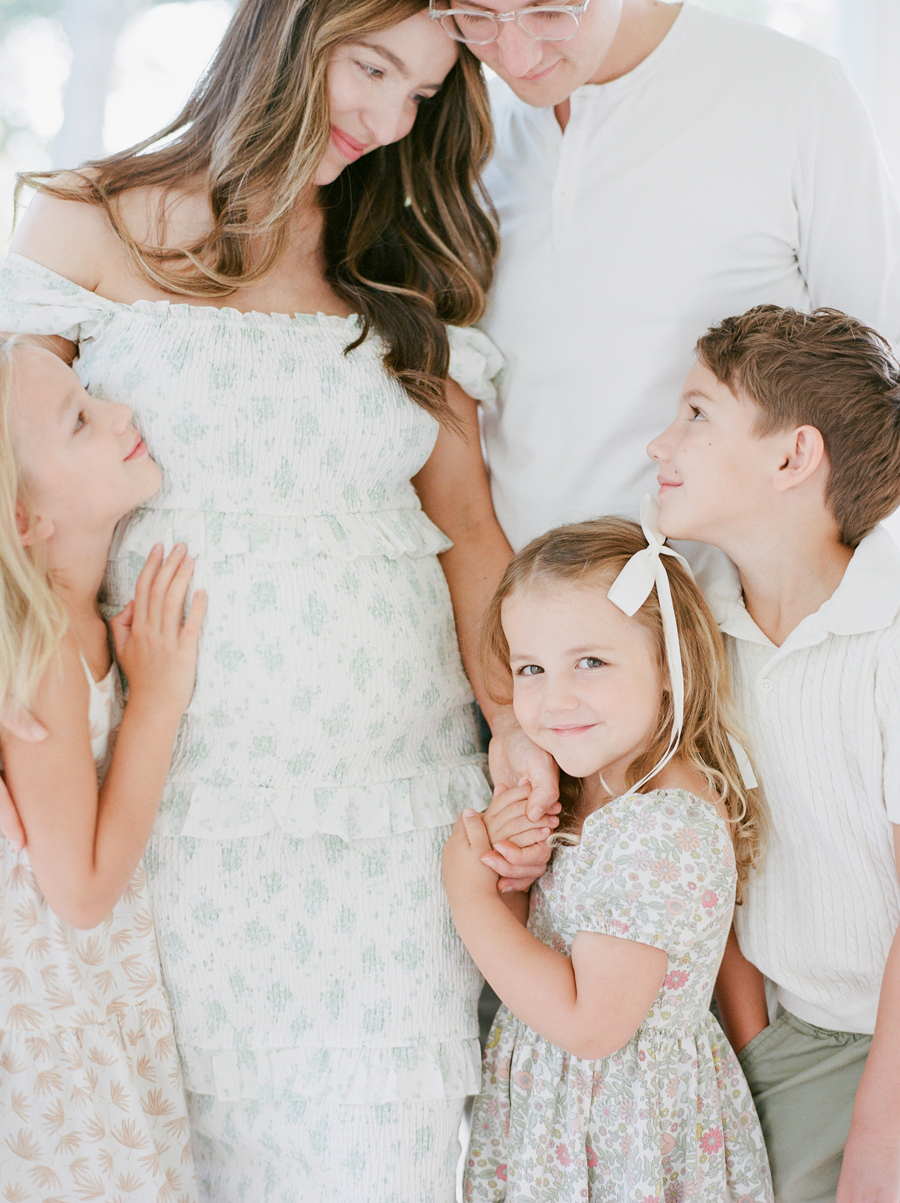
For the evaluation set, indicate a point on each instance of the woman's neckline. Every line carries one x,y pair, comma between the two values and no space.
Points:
229,311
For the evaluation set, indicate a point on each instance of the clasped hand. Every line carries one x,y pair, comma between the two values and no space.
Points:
517,850
524,806
475,855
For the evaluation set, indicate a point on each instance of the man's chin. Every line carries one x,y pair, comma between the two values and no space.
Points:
543,93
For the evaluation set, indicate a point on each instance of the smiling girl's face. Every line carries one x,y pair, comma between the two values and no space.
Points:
586,683
83,463
376,85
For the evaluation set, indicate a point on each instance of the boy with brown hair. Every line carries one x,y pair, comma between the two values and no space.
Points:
785,454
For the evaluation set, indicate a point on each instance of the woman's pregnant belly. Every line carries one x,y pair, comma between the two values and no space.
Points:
323,675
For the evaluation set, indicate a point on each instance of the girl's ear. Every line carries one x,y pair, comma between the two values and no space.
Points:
32,528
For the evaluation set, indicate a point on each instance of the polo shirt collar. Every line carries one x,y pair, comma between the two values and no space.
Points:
867,599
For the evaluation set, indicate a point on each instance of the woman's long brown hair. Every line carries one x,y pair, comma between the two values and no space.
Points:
410,239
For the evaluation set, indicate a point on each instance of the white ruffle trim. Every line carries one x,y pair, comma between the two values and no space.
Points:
215,535
377,809
444,1069
475,363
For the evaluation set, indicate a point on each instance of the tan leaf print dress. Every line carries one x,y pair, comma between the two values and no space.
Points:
91,1099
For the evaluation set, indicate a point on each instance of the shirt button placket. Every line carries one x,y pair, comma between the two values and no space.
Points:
563,186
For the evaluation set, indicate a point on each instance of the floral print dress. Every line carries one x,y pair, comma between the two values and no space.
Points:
91,1098
324,1006
669,1116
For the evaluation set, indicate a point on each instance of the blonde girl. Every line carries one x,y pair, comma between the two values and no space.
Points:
606,1078
91,1102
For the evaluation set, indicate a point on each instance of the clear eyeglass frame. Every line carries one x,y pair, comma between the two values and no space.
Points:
527,19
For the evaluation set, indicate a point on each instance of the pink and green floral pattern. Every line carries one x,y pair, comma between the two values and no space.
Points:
669,1116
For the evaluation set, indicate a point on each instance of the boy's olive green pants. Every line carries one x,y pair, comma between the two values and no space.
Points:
804,1081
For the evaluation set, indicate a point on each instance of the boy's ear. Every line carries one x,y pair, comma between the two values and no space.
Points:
32,528
803,456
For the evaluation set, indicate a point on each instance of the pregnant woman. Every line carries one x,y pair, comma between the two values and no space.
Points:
266,283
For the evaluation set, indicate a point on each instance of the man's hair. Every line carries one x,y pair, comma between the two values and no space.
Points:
827,370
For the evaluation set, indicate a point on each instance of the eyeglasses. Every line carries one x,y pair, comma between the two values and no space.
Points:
549,23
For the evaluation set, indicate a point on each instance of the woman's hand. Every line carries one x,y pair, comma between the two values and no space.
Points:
155,645
507,819
513,835
515,760
465,873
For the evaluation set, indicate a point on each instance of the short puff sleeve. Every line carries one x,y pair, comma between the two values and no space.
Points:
35,300
656,868
475,363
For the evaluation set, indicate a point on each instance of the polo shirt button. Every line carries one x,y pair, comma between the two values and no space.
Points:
766,685
563,195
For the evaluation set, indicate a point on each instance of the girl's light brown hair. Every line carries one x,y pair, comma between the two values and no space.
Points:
409,243
593,554
32,618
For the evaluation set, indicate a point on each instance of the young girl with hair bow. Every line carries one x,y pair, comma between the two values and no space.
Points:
606,1077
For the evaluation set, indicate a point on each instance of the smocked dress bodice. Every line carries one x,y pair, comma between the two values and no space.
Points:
308,950
329,653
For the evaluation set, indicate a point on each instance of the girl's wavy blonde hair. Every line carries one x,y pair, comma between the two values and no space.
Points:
594,553
32,618
410,238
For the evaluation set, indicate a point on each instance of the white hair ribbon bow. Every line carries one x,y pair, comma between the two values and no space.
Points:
630,590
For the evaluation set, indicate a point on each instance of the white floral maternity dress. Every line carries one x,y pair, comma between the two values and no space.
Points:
324,1006
669,1117
91,1098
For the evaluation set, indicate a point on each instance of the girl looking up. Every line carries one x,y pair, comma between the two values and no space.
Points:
606,1077
90,1088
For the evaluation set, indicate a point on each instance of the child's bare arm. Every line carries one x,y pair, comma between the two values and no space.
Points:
24,726
589,1005
83,844
741,996
870,1171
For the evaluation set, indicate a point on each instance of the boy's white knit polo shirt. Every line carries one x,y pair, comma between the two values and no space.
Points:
822,716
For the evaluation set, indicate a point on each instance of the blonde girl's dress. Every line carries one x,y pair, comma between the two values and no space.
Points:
91,1098
668,1117
324,1007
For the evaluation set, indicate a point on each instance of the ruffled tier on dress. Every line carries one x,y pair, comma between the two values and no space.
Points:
330,742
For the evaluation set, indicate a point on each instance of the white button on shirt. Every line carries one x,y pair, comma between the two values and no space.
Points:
733,166
820,916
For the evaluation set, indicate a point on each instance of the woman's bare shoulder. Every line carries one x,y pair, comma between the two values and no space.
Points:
76,238
68,236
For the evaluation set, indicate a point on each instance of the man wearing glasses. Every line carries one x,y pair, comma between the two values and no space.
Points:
658,167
